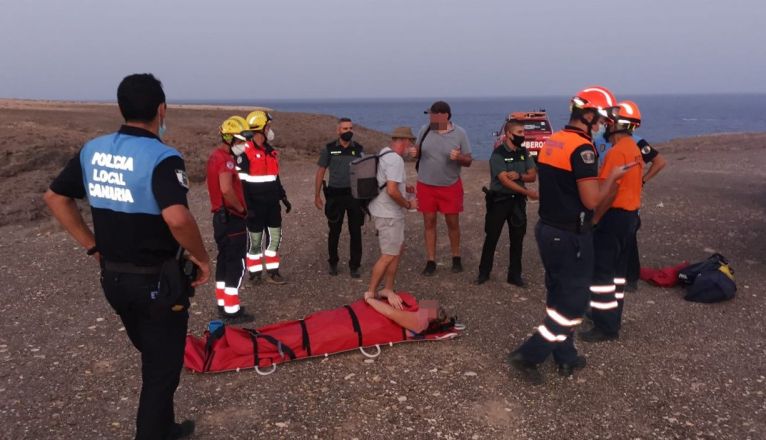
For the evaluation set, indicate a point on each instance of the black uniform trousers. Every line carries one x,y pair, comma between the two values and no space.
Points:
634,262
230,233
340,203
567,258
160,337
612,241
513,211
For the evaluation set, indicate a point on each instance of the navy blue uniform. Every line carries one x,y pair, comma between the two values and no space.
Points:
565,241
129,177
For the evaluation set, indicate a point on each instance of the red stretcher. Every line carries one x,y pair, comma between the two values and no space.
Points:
351,327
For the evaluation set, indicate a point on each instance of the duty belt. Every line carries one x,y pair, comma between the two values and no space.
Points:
131,268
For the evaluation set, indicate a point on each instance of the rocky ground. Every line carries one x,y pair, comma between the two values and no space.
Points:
680,370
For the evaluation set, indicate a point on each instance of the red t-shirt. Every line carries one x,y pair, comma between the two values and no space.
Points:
221,162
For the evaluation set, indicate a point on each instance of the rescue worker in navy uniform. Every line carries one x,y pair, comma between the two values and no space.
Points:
227,203
510,166
617,219
569,191
336,156
259,172
136,186
655,162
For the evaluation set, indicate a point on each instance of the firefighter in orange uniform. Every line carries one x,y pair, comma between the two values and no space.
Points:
617,220
569,191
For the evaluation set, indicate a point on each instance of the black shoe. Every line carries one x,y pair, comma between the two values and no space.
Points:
355,273
528,370
631,286
567,370
275,278
516,281
457,265
481,279
240,317
255,277
181,430
597,335
430,268
333,269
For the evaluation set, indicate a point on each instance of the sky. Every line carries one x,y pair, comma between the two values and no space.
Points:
337,49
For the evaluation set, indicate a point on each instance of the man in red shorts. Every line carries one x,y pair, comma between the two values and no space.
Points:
442,150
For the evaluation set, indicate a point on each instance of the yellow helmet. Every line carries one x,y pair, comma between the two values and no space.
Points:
258,119
235,126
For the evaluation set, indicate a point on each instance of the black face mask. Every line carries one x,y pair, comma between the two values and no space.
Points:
517,140
345,137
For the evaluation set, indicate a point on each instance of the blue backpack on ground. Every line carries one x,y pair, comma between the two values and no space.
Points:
709,281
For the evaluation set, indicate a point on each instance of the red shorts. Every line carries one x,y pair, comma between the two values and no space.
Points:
444,199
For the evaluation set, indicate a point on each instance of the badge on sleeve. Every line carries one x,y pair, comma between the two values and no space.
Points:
230,165
588,157
647,149
183,180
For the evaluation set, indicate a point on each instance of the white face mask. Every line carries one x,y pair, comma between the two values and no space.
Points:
270,135
238,149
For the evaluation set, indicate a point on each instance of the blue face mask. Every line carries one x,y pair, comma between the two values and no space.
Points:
599,133
162,129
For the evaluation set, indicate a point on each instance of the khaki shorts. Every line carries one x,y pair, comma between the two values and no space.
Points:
390,234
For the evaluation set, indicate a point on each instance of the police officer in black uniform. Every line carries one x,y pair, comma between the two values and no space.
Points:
136,187
569,192
510,166
336,156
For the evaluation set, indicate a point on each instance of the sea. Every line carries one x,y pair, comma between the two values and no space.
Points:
665,117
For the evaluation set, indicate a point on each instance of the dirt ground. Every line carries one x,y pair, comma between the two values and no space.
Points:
679,371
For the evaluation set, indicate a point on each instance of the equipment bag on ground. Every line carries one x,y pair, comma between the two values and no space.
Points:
364,177
709,281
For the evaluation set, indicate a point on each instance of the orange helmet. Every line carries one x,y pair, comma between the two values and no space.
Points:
595,98
626,113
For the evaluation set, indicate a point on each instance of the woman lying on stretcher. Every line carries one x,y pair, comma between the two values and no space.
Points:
429,318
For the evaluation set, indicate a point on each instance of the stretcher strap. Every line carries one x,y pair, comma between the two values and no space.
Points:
254,340
355,323
306,340
281,348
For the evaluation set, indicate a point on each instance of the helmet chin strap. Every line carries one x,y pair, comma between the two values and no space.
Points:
587,123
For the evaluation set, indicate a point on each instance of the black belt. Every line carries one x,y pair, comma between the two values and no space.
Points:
577,228
131,268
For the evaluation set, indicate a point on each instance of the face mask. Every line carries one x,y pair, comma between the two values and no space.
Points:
599,133
345,137
238,149
161,130
270,135
517,140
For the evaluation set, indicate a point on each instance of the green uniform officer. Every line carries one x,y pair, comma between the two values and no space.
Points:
510,168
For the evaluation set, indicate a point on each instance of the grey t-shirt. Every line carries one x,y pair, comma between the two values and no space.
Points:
390,168
337,159
436,168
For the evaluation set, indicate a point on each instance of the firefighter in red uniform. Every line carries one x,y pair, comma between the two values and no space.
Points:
259,172
228,206
569,191
617,220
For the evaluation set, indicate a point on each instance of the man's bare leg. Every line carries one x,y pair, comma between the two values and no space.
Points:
429,223
378,272
453,230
